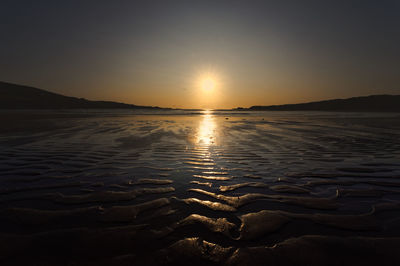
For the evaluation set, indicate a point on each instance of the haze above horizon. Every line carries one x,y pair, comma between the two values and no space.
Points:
208,54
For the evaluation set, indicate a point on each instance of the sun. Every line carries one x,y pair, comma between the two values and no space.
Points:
208,84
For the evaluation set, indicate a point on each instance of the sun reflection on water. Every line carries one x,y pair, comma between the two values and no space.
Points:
206,134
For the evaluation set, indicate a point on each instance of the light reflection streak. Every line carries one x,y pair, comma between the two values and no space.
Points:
206,135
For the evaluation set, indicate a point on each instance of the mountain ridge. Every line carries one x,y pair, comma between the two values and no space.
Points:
14,96
371,103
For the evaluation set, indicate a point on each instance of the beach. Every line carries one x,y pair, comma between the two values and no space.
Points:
121,187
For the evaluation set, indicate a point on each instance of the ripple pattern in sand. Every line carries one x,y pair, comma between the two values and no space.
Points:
130,186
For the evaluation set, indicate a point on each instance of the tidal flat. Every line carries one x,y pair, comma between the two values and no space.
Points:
178,187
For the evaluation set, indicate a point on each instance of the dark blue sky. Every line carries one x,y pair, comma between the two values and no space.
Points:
157,52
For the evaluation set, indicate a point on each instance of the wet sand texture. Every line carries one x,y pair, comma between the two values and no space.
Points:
270,188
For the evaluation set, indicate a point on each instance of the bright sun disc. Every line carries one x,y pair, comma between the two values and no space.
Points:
208,84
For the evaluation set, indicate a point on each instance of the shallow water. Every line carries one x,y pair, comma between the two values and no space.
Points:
125,187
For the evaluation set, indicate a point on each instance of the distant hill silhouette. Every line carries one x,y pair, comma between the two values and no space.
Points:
13,96
373,103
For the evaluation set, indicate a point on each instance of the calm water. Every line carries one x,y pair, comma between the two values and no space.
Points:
126,187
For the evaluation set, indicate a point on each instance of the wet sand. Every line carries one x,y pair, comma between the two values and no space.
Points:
172,188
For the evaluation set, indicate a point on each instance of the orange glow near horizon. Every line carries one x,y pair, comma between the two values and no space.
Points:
207,90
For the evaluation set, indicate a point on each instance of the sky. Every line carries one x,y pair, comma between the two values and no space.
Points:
202,54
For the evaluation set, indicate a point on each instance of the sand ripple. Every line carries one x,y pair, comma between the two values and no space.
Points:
279,189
